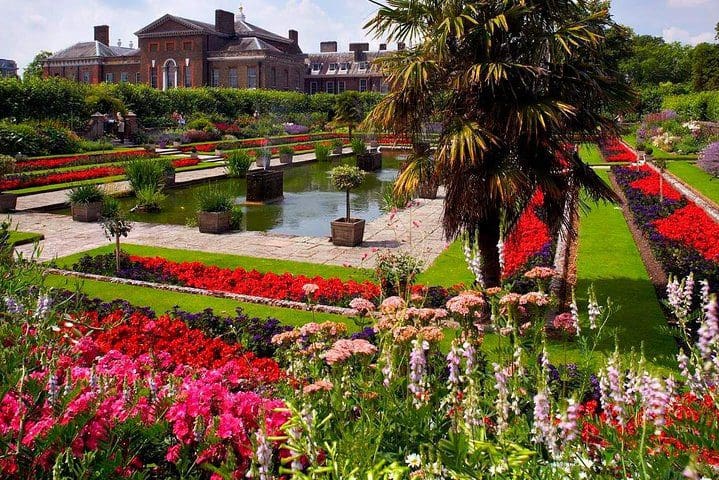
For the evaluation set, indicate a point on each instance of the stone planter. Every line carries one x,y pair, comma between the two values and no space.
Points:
194,156
338,150
176,144
428,190
8,202
286,158
374,144
169,179
369,162
347,234
265,186
214,222
86,212
260,161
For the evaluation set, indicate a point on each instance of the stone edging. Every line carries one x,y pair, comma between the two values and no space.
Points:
347,312
711,208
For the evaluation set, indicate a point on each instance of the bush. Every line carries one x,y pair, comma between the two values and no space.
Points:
358,146
85,194
7,165
145,173
396,272
347,177
201,123
238,163
322,152
709,159
198,136
149,198
212,199
95,146
36,139
286,150
337,143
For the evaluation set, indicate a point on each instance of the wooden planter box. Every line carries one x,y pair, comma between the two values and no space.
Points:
347,234
265,186
8,202
86,212
286,158
260,162
169,179
369,162
214,222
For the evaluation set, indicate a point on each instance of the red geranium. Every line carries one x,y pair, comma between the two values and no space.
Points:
692,226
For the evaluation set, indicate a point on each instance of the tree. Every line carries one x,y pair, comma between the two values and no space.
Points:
34,68
115,226
705,67
654,61
348,110
513,84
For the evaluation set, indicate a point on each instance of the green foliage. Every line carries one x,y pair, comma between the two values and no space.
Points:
37,138
201,123
149,198
347,177
236,219
705,67
238,163
286,150
85,194
337,143
348,110
654,61
7,164
96,145
143,173
358,146
694,106
322,151
392,198
396,272
34,68
213,199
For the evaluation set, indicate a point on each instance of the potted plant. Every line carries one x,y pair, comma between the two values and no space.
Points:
337,146
322,151
8,201
86,203
214,212
176,144
169,174
366,160
286,154
347,231
193,153
238,163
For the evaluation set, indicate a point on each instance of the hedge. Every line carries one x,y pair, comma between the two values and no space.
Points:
66,100
695,106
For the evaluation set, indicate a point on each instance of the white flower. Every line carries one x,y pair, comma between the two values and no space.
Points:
413,460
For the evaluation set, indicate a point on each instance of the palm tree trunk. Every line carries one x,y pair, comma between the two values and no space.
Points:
487,240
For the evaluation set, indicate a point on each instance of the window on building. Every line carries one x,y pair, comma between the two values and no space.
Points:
330,87
188,77
273,77
297,80
332,68
109,77
363,85
187,46
154,47
153,77
137,77
316,67
344,67
313,88
86,77
251,77
123,77
383,87
341,86
170,46
287,79
233,78
363,66
215,77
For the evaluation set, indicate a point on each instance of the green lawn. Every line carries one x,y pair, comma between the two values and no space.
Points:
697,178
231,261
448,269
162,301
589,153
23,238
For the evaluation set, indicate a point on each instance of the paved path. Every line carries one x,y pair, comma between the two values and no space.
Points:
59,197
417,230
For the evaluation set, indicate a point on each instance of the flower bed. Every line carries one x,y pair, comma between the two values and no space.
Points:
259,142
14,182
615,151
75,160
530,244
682,236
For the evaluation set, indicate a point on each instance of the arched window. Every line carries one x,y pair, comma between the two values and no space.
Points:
169,74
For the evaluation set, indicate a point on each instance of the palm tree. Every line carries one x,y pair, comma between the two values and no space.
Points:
513,83
348,110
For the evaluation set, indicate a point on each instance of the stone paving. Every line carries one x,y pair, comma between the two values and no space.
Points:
417,229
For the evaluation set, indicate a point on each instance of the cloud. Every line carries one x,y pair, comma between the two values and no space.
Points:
676,34
686,3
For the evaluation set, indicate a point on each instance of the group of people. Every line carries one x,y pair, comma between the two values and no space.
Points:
115,124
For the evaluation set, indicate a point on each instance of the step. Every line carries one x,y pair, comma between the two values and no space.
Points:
168,151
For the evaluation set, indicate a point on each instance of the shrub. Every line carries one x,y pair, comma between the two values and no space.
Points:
33,139
236,219
149,198
322,152
201,123
396,272
212,199
7,165
85,194
294,129
95,146
337,143
286,150
197,136
648,150
144,173
238,163
709,159
358,146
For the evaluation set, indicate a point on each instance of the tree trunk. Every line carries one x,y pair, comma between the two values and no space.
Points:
487,240
117,253
348,206
350,131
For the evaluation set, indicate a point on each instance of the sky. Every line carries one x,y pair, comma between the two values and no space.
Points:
29,26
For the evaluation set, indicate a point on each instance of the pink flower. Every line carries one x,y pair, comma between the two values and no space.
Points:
343,349
173,453
362,305
465,302
318,386
392,304
310,288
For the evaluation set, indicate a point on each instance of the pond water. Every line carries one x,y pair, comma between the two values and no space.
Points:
310,201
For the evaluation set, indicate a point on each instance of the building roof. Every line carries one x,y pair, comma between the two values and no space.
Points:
246,29
326,58
195,25
93,49
7,64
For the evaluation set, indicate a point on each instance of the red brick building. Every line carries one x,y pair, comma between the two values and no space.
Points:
176,52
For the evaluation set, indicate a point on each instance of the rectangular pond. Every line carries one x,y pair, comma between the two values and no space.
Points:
310,200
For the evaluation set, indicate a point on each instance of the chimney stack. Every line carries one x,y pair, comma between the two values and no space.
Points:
382,47
294,36
358,49
102,34
132,44
225,22
328,47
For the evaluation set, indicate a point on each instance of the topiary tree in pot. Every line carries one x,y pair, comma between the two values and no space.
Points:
115,225
86,203
8,201
347,231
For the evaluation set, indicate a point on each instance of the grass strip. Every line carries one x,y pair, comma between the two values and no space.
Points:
23,238
692,175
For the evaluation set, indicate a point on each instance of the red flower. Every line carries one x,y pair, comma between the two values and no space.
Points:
692,226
